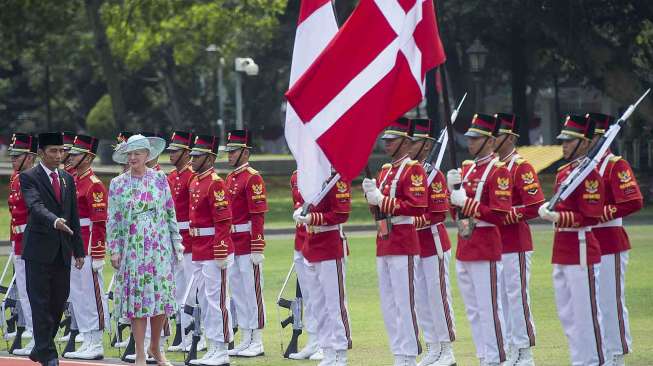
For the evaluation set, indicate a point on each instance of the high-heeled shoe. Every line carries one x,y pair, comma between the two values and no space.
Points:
159,362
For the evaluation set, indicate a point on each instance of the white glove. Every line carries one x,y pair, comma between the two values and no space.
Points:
303,219
369,185
224,263
97,265
257,258
458,197
374,197
454,178
548,215
296,214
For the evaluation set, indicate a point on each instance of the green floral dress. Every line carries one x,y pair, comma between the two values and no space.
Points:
142,228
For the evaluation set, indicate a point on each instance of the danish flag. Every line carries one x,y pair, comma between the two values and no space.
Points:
371,73
316,27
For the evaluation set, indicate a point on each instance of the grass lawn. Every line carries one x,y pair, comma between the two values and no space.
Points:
369,338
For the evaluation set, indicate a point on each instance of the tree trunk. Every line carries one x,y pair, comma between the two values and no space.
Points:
168,74
111,75
519,71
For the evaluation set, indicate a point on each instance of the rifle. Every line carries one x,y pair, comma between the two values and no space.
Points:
195,311
9,302
295,318
326,187
591,160
434,159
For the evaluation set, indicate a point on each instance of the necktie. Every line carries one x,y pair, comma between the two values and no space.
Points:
55,186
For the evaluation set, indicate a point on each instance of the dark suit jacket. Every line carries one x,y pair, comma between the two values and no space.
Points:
41,241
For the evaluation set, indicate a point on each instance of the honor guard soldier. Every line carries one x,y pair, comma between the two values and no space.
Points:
210,228
433,301
483,201
527,196
68,140
324,251
576,252
248,206
400,197
87,296
312,348
154,164
622,198
122,137
22,151
179,179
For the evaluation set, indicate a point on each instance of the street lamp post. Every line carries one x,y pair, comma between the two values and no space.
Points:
220,89
477,54
248,66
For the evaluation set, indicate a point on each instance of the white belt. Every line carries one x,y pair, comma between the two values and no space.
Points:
19,229
481,223
323,228
85,222
201,231
183,225
241,228
612,223
436,240
582,242
402,220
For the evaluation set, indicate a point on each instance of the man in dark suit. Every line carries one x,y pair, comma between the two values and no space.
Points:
51,237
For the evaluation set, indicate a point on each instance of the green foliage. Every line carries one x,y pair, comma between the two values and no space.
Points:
139,30
100,121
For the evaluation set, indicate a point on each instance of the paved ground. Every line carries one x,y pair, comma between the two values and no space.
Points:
7,360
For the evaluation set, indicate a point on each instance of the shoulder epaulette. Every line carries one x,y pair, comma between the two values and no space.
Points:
468,162
499,164
252,170
95,179
520,161
215,176
386,166
615,158
412,162
564,166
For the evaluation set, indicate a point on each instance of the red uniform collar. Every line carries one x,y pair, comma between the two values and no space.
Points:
509,156
398,162
87,173
241,168
484,160
207,173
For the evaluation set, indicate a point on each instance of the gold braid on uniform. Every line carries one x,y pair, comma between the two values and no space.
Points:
608,213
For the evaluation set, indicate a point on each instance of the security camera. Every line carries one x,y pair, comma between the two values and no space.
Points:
246,65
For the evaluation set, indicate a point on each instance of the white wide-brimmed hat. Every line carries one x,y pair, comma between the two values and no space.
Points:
155,145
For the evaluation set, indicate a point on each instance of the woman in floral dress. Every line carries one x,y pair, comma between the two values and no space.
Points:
143,242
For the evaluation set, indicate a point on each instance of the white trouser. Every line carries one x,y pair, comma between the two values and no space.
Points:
433,299
87,297
328,293
309,320
480,286
19,267
577,293
516,299
247,291
182,276
397,291
612,301
212,287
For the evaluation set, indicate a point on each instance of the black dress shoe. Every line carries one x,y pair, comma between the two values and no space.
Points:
52,362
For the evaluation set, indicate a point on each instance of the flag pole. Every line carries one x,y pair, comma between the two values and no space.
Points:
447,116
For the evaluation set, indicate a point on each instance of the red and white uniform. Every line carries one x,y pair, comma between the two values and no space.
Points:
576,280
179,181
622,198
87,296
324,251
403,183
527,196
248,199
210,228
479,267
309,319
18,213
433,300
